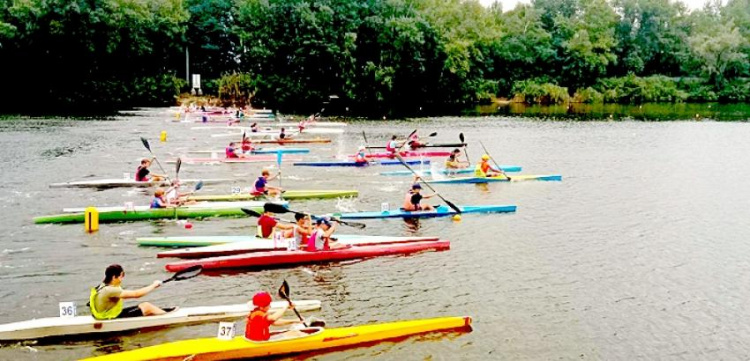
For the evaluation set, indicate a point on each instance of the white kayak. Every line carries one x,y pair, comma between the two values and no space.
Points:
84,325
254,244
112,183
199,205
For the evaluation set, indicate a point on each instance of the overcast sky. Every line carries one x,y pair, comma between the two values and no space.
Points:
510,4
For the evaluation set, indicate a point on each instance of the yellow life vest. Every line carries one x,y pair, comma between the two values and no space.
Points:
478,172
106,315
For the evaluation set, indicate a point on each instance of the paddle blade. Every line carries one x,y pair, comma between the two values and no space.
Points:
275,208
316,322
145,143
185,274
461,137
198,185
284,290
450,204
177,168
432,134
250,212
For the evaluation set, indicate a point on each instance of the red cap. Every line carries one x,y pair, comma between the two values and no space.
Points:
262,299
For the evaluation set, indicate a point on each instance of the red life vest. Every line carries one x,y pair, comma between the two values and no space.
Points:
258,327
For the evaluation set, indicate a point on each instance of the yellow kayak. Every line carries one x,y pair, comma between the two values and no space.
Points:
317,338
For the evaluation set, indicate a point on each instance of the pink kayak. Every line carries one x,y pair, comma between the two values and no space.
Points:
247,159
408,154
286,258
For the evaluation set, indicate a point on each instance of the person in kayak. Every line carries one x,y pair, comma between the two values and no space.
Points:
261,186
413,199
414,142
176,198
361,157
282,135
300,231
320,239
259,320
142,173
392,146
267,223
254,128
247,145
106,300
484,169
453,163
231,151
159,201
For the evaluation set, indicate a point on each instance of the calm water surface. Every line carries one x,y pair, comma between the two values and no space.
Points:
641,252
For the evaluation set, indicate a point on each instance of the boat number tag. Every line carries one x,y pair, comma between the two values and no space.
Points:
226,331
385,207
236,190
67,309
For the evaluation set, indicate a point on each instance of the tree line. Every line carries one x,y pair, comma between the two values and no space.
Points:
376,56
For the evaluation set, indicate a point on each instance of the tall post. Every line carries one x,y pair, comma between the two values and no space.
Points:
187,65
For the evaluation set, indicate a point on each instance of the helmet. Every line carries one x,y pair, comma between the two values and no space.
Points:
485,157
262,299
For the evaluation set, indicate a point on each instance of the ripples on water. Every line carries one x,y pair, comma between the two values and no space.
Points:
640,253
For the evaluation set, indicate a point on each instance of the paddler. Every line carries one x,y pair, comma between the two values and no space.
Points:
320,239
414,142
453,163
484,169
231,151
267,223
174,197
261,186
301,230
282,135
361,157
413,199
259,320
247,145
392,146
142,173
106,299
159,201
254,128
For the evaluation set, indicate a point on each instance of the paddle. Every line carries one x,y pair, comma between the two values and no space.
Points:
406,141
278,208
185,274
367,144
463,141
279,155
284,293
253,213
177,168
493,160
148,147
449,203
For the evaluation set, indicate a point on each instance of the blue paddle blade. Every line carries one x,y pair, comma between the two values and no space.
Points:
278,157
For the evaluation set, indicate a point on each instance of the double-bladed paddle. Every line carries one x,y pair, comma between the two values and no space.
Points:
284,293
463,141
493,160
185,274
449,203
148,147
253,213
177,168
278,208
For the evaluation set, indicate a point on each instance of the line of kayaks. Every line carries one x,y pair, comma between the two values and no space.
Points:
313,339
247,159
51,327
351,163
505,168
114,183
258,151
407,154
288,195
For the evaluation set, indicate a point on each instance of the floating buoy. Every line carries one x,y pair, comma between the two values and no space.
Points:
163,136
457,218
188,225
91,219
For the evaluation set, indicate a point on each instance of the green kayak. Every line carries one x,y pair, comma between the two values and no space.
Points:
288,195
136,214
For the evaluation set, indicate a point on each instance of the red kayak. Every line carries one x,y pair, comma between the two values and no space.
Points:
292,141
247,159
408,154
282,258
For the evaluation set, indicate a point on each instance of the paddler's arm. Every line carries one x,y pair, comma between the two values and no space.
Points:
274,176
429,196
141,291
284,226
331,229
278,321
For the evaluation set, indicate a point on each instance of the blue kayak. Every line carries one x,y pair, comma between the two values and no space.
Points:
440,211
351,163
514,178
281,150
505,168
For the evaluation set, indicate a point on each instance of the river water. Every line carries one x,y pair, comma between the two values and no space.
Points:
641,252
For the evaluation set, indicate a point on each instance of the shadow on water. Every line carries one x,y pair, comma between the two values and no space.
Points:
644,112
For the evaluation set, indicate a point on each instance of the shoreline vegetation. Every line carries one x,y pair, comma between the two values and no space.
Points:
380,58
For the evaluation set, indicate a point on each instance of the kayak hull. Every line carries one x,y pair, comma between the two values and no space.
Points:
293,141
114,183
247,159
50,327
317,339
261,245
202,241
198,205
437,145
293,258
480,180
505,168
440,211
407,154
355,164
288,195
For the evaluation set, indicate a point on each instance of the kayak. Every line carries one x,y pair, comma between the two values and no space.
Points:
258,151
113,183
200,241
505,168
293,258
198,205
247,159
157,213
292,141
86,325
293,125
515,178
444,145
440,211
351,163
288,195
407,154
259,245
315,339
290,132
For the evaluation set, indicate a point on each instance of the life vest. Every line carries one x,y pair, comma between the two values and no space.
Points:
108,314
481,169
311,242
229,153
391,146
360,157
257,328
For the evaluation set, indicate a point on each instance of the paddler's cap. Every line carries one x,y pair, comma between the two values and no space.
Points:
262,299
416,186
485,157
324,220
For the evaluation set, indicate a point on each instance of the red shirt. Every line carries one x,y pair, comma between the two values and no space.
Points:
266,224
258,326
